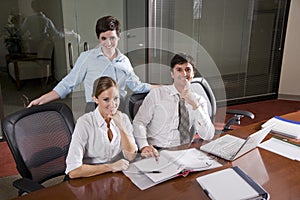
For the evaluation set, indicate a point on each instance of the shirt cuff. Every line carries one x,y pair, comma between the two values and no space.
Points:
60,92
71,167
142,143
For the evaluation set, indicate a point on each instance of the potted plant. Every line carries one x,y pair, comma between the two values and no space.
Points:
12,34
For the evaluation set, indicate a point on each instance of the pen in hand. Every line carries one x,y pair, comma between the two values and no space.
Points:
156,159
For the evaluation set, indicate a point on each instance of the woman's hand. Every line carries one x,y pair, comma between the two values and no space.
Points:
119,165
118,119
127,141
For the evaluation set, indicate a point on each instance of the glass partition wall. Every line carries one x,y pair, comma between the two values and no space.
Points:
237,44
244,39
69,25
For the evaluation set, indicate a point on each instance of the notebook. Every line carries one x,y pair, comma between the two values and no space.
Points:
231,184
286,127
230,147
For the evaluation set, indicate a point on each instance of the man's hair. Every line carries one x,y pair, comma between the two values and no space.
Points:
107,23
181,58
103,83
36,5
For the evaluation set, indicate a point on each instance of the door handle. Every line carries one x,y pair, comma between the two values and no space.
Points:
129,35
85,46
70,52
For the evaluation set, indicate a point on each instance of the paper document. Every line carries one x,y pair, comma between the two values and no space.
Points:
289,128
283,148
170,164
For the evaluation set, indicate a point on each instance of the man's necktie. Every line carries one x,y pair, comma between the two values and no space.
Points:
109,132
184,123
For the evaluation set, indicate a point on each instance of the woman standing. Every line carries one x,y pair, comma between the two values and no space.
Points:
105,60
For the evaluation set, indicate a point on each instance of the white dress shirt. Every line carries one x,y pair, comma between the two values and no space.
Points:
156,122
90,143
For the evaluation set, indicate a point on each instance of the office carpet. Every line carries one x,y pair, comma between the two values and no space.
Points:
7,163
8,173
7,191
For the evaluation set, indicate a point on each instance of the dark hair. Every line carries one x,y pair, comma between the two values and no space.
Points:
181,58
36,5
103,83
107,23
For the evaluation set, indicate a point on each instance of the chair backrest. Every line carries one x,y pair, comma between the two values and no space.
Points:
200,86
39,139
135,101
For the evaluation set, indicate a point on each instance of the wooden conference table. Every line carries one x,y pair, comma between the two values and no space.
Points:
278,175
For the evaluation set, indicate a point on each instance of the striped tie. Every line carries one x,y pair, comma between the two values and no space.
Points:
184,123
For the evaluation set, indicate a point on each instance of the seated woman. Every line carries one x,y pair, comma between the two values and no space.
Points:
103,139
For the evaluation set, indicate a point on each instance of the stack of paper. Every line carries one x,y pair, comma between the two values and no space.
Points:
289,128
282,147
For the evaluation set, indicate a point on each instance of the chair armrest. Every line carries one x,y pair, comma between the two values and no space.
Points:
27,185
29,54
43,59
24,59
30,59
236,119
241,112
21,56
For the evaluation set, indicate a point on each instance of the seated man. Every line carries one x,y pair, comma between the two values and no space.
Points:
163,122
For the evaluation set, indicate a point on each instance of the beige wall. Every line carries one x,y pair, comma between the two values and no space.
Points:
289,82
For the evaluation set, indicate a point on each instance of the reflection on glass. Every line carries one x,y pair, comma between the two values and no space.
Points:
106,187
37,27
253,164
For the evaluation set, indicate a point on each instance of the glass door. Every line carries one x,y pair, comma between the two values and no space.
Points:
35,31
134,37
73,31
243,39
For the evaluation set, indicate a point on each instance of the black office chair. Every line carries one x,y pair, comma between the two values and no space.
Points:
135,101
201,87
39,139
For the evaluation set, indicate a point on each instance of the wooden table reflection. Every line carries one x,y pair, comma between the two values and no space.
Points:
278,175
